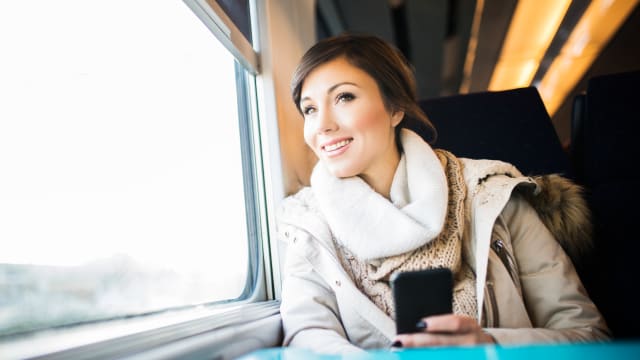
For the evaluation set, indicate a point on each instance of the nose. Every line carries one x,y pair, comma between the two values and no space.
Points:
326,122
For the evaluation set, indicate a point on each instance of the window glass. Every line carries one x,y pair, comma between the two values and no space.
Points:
121,184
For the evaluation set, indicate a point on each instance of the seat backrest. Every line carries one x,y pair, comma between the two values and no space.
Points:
604,151
511,126
605,127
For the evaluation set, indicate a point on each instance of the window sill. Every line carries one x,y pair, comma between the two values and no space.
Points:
228,329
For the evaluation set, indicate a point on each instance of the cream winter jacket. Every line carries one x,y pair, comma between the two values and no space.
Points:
527,288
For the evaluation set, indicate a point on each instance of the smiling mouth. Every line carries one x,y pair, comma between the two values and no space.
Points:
336,146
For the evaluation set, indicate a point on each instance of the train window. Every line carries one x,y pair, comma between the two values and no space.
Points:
127,179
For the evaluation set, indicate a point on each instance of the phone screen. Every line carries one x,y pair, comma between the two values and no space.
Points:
418,294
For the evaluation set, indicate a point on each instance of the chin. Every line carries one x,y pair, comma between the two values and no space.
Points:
341,172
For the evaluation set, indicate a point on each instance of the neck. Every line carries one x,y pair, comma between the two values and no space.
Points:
381,178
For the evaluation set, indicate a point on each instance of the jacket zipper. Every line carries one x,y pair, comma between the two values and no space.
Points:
491,306
507,259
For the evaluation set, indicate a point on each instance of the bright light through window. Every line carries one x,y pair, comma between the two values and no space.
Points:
120,170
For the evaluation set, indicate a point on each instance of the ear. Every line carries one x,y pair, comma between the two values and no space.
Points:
396,117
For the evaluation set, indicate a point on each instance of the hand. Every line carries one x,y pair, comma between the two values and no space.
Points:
447,330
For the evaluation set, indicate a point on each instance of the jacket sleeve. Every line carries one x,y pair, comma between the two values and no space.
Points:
557,303
309,310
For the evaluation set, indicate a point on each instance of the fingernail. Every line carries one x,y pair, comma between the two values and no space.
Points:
421,325
397,344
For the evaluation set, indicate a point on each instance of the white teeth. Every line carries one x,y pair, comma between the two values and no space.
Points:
336,145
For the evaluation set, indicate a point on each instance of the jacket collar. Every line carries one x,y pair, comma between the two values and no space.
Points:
371,226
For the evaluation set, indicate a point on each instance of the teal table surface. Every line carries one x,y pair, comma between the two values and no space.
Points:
612,350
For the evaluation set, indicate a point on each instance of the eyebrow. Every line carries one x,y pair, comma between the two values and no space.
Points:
333,87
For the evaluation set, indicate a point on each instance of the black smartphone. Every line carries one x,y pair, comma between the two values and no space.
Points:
418,294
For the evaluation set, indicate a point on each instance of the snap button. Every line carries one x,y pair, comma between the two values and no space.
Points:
338,283
286,234
295,239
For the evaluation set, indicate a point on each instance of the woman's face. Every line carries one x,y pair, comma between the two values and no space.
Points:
346,123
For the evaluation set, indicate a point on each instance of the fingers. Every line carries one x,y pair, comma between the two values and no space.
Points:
429,339
446,330
450,323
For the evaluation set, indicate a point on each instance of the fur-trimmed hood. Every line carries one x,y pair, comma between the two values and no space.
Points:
562,208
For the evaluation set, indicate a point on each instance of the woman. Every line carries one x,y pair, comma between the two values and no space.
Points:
382,201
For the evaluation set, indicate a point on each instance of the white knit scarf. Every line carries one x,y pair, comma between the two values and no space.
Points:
371,226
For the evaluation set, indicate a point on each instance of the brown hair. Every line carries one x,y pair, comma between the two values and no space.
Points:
384,63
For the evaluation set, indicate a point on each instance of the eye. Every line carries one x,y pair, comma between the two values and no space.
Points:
345,97
308,110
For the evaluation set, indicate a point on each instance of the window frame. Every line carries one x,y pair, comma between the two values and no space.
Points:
254,187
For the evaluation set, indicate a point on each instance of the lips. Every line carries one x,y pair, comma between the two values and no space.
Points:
336,147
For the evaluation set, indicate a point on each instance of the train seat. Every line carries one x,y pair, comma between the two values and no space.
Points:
511,126
603,153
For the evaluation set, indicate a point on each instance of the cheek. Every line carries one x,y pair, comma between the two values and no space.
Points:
371,117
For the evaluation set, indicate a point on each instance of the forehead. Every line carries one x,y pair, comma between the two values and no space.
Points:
334,72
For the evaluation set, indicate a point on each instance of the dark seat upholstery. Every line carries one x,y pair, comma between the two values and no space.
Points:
511,126
604,152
